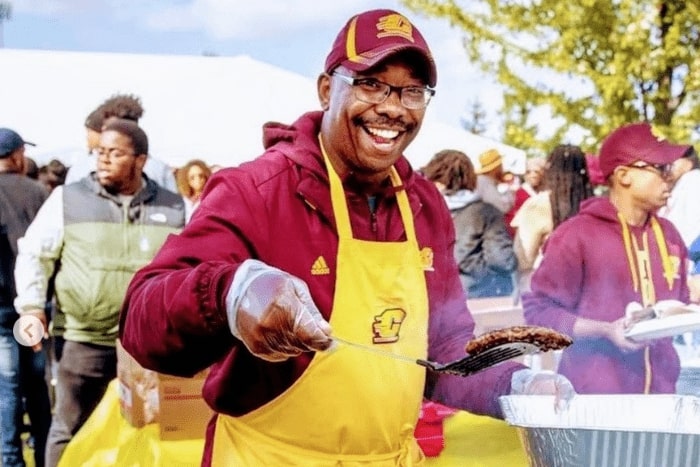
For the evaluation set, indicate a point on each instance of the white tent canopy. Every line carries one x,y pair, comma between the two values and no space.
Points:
210,108
435,136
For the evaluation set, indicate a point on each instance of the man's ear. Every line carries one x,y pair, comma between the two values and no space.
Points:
622,176
685,164
323,87
141,161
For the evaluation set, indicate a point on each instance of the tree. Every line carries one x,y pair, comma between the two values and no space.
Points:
590,65
474,119
5,14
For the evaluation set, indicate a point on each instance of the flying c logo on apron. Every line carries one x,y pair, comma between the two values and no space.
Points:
387,325
380,298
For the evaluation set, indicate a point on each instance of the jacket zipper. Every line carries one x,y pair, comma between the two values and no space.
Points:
372,205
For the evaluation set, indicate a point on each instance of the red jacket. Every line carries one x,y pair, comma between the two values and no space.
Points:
277,209
521,195
585,272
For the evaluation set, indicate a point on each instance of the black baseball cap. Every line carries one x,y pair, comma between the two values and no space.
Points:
10,141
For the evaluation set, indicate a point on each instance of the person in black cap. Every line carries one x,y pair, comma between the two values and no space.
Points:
11,142
21,369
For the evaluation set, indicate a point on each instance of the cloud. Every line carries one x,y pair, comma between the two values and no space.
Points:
247,27
223,19
219,19
60,7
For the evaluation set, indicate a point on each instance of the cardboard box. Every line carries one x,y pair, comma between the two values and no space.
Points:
183,412
146,396
138,390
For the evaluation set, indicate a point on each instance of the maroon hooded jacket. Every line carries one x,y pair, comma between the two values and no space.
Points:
277,209
585,272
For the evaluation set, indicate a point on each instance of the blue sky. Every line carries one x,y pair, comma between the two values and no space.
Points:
292,34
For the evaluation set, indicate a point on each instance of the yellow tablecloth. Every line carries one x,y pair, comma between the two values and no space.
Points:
475,441
107,439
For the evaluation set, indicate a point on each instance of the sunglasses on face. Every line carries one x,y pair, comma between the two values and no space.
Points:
663,170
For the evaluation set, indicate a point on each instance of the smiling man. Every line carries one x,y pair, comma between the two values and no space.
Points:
92,235
330,233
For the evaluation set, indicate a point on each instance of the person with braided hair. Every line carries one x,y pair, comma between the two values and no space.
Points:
565,186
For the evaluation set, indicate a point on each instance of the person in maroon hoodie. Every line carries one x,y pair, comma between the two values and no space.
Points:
616,251
328,237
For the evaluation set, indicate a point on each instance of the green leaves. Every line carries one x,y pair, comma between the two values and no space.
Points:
590,65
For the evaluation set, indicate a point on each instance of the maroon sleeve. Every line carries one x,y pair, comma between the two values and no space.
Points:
451,327
557,283
520,197
173,319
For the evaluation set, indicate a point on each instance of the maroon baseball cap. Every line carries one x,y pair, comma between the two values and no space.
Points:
636,142
372,36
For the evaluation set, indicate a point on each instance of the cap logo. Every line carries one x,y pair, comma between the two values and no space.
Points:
657,133
395,25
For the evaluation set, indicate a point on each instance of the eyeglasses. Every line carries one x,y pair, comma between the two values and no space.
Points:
663,170
111,153
373,91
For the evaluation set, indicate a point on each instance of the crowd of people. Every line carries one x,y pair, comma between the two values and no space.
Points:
263,271
76,235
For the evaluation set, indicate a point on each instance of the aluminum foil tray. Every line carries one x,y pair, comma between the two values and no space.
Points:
608,430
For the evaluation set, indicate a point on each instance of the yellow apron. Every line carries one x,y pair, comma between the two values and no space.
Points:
350,407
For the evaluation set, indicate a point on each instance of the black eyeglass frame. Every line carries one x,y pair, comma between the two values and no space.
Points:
111,153
663,170
365,94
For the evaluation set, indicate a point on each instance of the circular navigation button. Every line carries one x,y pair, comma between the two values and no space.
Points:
28,330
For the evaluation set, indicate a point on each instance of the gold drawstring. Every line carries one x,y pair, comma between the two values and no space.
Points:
648,293
647,370
646,281
669,272
626,237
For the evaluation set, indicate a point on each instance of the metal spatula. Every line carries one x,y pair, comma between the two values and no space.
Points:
464,366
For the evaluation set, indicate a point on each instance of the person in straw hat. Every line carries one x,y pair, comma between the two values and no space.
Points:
491,184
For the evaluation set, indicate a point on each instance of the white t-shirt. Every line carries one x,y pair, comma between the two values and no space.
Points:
682,206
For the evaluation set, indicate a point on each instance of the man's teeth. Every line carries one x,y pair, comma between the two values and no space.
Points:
386,134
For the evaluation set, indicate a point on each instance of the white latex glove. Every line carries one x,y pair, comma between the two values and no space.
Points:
530,382
273,314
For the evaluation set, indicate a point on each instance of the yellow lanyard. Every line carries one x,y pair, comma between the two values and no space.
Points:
640,263
646,281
